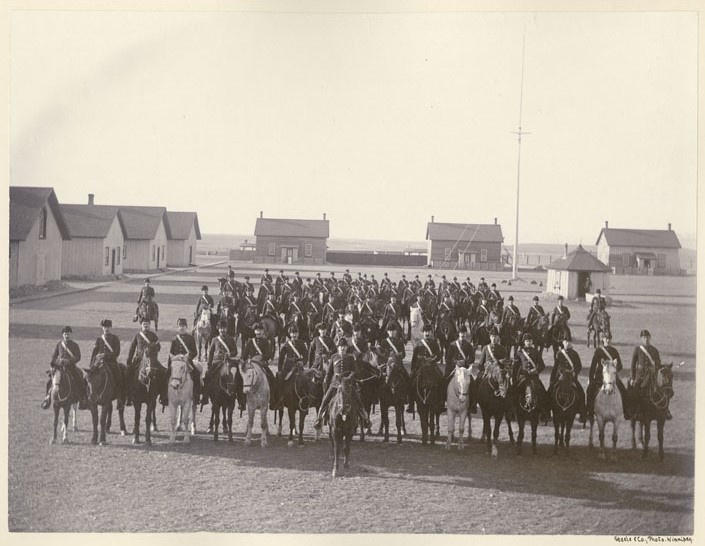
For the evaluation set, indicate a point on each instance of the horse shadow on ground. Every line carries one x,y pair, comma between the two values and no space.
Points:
579,476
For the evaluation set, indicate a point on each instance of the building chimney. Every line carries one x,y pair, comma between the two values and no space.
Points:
324,215
607,225
432,217
565,254
92,196
495,221
261,214
669,226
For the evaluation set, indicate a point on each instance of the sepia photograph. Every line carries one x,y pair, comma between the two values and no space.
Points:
338,269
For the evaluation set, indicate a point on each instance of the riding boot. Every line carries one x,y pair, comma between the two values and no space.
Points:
323,409
47,399
239,394
668,414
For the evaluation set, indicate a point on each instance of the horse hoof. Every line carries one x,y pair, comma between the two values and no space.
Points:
148,442
290,443
135,441
248,443
94,441
123,432
75,429
103,443
52,441
65,441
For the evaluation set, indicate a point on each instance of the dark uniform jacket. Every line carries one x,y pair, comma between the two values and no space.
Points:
293,350
603,353
534,312
426,349
321,348
530,362
558,312
139,344
392,346
67,351
222,348
258,347
339,365
358,347
147,293
178,348
460,349
483,314
565,360
108,345
204,302
492,354
641,361
494,295
226,306
511,312
392,312
341,328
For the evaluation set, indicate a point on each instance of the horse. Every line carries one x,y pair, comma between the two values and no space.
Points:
203,331
245,324
458,402
180,396
393,393
651,404
64,393
367,377
148,310
557,333
343,417
300,390
511,332
540,331
101,390
271,329
527,407
256,389
598,325
416,324
493,398
221,391
370,329
425,387
446,332
146,381
608,408
564,407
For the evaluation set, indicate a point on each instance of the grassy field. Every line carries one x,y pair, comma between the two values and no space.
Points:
389,488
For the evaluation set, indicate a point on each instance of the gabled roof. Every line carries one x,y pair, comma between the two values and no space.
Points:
92,221
25,206
481,233
651,238
143,222
579,260
281,227
180,224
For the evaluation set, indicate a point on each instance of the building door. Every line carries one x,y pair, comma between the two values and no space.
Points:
158,255
190,255
284,255
473,258
584,284
41,268
112,262
295,255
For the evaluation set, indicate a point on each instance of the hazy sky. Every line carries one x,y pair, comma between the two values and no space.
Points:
379,120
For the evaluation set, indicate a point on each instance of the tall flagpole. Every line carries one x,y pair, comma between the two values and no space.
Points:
519,133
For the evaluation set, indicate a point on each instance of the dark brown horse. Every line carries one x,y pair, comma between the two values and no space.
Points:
529,402
651,404
101,390
427,390
394,393
565,403
65,391
343,421
146,380
301,390
222,393
493,396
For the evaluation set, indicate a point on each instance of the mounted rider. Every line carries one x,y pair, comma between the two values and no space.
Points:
144,340
266,277
483,313
184,344
460,352
511,312
492,353
230,275
342,364
321,349
358,345
146,295
482,285
259,350
493,295
341,328
108,345
223,351
535,311
294,349
205,303
392,313
568,361
393,346
529,365
646,362
226,311
598,303
560,313
66,353
605,352
429,349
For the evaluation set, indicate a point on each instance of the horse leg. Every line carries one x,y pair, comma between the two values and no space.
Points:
659,433
487,429
647,436
136,426
56,422
216,420
348,441
263,423
495,435
461,429
193,418
279,412
399,418
568,427
592,425
520,434
225,418
173,417
153,418
151,407
94,417
451,428
633,421
65,429
230,408
384,420
601,423
335,442
105,412
615,428
250,421
74,407
292,424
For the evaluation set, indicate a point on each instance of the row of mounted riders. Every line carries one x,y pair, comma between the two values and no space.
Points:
503,387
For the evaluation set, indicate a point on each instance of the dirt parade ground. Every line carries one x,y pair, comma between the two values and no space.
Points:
389,488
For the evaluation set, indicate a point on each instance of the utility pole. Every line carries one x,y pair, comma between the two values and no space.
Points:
519,133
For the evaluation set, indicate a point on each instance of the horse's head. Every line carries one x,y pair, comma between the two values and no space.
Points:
497,374
249,377
221,283
179,372
345,395
461,383
609,375
664,379
205,319
542,323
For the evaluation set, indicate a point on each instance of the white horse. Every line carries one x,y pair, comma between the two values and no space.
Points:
416,321
608,407
203,330
458,402
256,389
180,396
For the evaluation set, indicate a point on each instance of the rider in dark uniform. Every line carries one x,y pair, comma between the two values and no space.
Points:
205,302
184,344
597,304
494,295
342,363
295,349
560,312
493,353
144,340
67,351
427,348
568,360
530,364
645,359
511,311
534,313
146,295
358,346
108,345
605,352
322,348
259,350
224,349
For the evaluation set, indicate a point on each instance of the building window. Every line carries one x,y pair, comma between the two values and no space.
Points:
124,252
447,254
483,254
43,223
107,255
625,259
271,249
662,260
308,250
154,252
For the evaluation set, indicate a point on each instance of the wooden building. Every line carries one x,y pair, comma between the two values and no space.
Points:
97,240
465,246
37,232
292,241
184,236
577,275
146,236
639,251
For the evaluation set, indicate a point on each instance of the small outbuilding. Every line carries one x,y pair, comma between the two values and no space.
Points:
577,275
37,232
97,240
292,241
465,246
184,236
